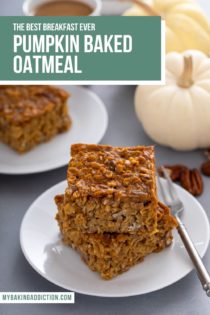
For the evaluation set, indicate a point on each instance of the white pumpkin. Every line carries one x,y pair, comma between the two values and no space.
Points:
187,27
177,114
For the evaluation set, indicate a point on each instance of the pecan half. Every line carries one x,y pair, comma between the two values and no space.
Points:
192,181
174,171
205,168
207,153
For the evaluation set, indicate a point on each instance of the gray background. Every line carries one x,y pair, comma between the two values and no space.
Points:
18,192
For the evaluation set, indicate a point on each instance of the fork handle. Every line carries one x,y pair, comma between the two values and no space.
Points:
203,274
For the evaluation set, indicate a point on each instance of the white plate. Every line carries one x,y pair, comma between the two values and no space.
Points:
42,247
90,122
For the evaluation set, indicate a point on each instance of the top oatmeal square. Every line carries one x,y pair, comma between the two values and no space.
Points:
111,189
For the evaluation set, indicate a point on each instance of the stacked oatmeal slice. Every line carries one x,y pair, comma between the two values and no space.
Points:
110,212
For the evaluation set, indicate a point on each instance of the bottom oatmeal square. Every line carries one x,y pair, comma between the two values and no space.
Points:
110,254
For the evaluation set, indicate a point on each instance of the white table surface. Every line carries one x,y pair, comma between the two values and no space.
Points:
17,193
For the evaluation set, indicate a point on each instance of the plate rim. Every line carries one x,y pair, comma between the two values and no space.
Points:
103,108
107,295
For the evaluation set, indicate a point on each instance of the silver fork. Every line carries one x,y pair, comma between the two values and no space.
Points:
172,200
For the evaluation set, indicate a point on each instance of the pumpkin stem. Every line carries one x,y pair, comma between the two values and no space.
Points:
185,80
146,7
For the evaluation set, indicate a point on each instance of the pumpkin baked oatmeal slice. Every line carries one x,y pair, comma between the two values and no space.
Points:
111,189
30,115
110,254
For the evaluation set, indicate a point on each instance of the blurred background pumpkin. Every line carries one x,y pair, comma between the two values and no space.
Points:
187,26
